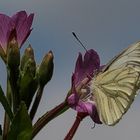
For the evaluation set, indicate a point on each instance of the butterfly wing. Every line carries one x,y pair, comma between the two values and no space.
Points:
129,57
116,86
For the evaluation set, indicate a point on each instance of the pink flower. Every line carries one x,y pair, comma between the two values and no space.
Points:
17,26
81,98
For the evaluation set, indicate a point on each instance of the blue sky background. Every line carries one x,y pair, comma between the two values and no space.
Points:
108,26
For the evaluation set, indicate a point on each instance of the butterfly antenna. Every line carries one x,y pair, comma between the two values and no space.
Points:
79,41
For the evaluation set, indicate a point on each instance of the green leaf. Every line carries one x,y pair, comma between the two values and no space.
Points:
21,127
5,104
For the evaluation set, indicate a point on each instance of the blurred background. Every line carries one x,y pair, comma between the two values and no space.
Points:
108,26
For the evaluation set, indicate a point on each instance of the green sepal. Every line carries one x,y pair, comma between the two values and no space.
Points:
27,82
45,70
21,127
5,104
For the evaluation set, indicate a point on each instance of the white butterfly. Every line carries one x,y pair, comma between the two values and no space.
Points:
115,87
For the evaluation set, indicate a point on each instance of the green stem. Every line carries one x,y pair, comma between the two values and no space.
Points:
36,102
12,75
6,126
5,104
6,118
47,117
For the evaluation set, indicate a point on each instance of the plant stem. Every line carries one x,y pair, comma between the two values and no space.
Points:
6,117
48,116
12,77
75,126
36,102
6,126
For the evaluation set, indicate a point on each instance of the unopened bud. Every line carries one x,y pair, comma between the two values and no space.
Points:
28,82
13,54
28,54
30,67
46,69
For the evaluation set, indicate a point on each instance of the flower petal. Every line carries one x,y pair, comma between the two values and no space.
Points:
91,61
19,18
79,69
22,25
81,107
87,66
73,98
92,111
5,29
